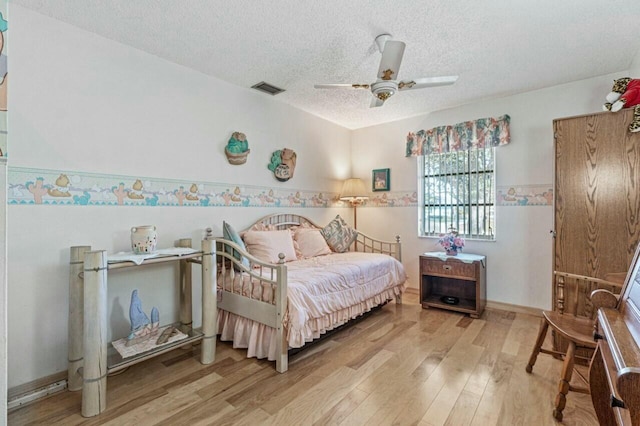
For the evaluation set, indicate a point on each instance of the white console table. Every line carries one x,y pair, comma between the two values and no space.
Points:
89,362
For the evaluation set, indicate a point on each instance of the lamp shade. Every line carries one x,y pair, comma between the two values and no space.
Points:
353,189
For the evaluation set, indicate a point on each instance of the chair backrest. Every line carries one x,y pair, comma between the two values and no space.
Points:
572,293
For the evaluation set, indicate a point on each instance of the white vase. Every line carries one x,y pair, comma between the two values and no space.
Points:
144,239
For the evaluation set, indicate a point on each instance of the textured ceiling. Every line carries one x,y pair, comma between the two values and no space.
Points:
497,47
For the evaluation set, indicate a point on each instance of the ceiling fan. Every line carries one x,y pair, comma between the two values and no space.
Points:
387,84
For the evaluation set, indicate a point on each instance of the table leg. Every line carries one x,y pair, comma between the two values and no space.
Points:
94,389
209,303
185,287
76,313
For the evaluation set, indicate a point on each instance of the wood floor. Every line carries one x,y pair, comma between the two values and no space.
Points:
402,365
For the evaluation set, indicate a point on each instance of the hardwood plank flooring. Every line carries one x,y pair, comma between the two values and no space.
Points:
403,365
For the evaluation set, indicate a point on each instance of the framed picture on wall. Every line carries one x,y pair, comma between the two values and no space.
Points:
381,180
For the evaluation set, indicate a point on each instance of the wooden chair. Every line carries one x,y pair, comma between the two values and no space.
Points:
575,323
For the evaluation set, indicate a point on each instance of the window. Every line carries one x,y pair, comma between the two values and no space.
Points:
459,192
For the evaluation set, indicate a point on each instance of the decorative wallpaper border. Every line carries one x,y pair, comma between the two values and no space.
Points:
27,186
525,195
53,187
392,199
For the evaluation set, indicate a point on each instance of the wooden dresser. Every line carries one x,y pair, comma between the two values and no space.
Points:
614,375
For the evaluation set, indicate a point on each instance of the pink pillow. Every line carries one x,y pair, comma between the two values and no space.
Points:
266,245
259,227
310,243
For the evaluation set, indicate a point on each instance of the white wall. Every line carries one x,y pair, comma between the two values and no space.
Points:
634,69
519,261
83,103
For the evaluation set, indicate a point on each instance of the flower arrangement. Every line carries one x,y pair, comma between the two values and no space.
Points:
451,242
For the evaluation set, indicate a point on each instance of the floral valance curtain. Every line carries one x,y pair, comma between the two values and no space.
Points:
478,134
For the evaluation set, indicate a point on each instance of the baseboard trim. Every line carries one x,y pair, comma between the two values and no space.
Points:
514,308
20,395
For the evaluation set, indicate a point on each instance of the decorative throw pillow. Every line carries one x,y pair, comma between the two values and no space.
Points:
229,233
310,242
339,235
266,245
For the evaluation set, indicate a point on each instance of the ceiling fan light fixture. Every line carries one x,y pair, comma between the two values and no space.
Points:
383,96
383,90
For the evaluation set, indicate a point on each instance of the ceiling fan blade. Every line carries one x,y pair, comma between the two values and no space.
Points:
376,102
391,59
420,83
341,86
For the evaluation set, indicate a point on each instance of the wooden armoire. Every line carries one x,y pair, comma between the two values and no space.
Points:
597,195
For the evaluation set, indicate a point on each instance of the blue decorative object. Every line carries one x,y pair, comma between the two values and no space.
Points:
155,315
141,328
136,315
275,160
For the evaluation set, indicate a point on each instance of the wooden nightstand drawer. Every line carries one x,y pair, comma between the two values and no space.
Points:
449,268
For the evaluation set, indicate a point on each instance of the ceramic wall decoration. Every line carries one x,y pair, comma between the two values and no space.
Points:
237,149
144,239
283,164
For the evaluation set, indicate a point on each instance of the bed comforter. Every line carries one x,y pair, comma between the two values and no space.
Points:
324,292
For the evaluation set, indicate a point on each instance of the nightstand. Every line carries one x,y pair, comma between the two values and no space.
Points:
460,279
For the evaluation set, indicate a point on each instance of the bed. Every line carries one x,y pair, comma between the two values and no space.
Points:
271,307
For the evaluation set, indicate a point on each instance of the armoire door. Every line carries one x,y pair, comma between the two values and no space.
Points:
597,194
